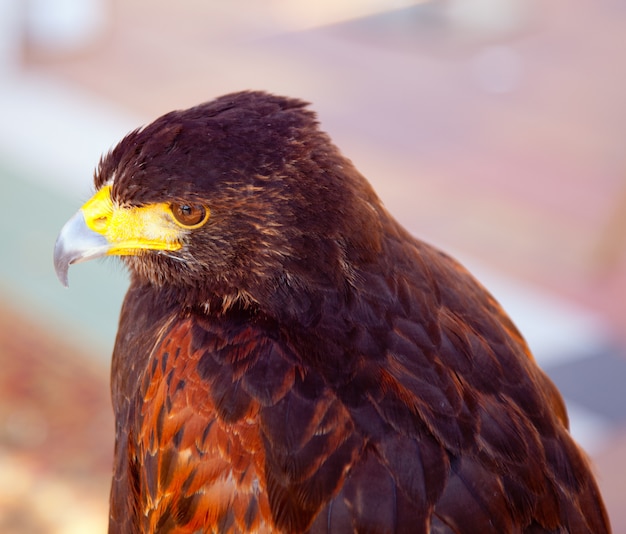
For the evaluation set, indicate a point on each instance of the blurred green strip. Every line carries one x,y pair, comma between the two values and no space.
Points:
30,218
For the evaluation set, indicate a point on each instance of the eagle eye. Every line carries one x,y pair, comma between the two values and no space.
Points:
190,215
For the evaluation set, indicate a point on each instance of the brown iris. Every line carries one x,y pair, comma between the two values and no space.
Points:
190,215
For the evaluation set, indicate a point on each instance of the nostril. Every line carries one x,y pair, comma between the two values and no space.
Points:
99,223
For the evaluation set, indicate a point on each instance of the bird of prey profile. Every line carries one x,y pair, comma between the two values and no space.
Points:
290,359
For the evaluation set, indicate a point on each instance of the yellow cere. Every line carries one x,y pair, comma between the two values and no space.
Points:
129,229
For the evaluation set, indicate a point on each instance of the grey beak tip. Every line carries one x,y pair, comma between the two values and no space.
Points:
64,280
61,265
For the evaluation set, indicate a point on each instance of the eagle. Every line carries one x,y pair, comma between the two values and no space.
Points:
290,359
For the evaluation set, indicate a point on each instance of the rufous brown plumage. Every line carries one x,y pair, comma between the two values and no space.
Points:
289,359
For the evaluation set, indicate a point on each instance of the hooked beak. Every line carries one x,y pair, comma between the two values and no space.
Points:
77,242
103,228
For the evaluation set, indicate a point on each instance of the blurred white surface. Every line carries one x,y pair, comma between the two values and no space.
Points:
64,25
56,132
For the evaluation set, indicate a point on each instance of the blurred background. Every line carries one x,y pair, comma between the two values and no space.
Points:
494,129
